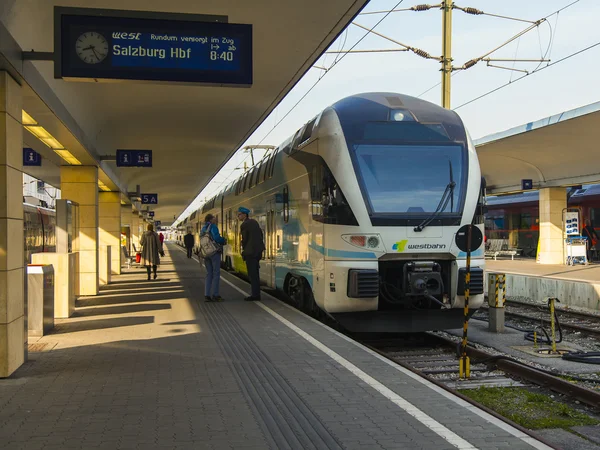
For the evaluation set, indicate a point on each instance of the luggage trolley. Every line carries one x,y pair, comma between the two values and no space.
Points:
576,250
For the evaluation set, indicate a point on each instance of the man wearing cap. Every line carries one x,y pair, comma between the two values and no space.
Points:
253,246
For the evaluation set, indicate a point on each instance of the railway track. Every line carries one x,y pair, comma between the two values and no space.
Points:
569,320
434,357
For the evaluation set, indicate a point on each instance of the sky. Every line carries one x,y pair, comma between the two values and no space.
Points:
564,86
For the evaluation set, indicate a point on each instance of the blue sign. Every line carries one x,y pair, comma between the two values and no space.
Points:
134,158
157,223
526,184
132,45
150,213
149,199
31,157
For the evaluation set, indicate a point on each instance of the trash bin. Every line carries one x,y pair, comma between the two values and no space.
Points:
40,299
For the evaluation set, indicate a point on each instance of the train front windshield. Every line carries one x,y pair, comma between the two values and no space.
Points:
411,179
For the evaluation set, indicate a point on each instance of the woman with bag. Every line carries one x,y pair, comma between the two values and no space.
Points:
151,248
211,247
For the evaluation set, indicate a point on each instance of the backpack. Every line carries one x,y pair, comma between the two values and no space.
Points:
208,246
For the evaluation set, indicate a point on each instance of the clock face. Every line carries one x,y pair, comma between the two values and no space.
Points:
91,47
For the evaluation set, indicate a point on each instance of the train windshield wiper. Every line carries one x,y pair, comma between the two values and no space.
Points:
447,196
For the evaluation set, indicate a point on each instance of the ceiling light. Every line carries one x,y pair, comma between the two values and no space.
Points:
67,156
27,119
103,187
39,132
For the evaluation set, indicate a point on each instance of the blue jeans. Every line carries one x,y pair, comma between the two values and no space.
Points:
213,275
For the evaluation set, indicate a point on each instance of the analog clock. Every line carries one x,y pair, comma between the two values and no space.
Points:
91,47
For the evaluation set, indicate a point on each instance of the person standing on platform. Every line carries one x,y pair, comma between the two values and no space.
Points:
188,241
253,246
212,263
592,238
150,243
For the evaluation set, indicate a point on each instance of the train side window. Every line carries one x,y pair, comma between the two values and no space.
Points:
258,179
286,204
272,168
328,203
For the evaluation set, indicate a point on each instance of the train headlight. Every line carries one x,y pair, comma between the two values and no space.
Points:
373,242
359,241
364,240
401,115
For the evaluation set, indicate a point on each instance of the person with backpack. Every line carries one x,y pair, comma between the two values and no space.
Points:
211,247
253,246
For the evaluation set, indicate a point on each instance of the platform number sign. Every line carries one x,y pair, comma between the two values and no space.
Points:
157,223
526,184
149,199
31,157
150,213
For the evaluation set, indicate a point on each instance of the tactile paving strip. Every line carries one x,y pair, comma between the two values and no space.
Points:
284,416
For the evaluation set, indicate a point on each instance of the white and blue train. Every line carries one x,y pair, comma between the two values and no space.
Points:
359,210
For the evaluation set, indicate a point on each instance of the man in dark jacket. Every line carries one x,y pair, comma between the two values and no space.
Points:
253,246
188,241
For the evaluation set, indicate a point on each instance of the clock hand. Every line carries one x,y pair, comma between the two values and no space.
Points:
91,47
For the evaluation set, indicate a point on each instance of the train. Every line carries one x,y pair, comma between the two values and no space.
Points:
516,216
39,230
359,210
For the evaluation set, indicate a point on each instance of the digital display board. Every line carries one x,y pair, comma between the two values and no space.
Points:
92,44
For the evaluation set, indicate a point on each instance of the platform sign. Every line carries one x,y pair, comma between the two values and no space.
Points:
526,184
134,158
571,220
149,199
100,44
31,157
150,213
157,223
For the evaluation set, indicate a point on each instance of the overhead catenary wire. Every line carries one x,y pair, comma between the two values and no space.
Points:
529,74
552,34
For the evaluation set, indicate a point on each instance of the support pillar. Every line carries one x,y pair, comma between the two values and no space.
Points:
109,214
552,202
80,184
12,276
135,231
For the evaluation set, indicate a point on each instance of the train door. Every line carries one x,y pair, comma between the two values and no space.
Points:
270,251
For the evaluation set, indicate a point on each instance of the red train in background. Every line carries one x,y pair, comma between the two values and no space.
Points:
516,217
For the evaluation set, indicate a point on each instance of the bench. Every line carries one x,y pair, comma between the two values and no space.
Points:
500,247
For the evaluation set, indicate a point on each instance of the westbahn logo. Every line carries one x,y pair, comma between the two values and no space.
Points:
400,246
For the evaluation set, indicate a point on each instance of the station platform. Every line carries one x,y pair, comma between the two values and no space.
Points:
148,364
577,287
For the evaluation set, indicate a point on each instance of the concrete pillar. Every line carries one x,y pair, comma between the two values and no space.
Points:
80,184
12,276
552,202
109,215
135,231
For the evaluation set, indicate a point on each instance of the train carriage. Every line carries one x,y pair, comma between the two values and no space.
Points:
359,210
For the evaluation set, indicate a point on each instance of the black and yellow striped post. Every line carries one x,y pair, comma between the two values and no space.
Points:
464,365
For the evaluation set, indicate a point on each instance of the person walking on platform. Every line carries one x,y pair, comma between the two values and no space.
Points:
253,246
188,241
150,243
212,262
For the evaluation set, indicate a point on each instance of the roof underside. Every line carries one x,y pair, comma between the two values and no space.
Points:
192,130
561,150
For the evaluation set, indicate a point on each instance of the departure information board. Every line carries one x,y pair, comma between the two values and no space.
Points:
93,44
